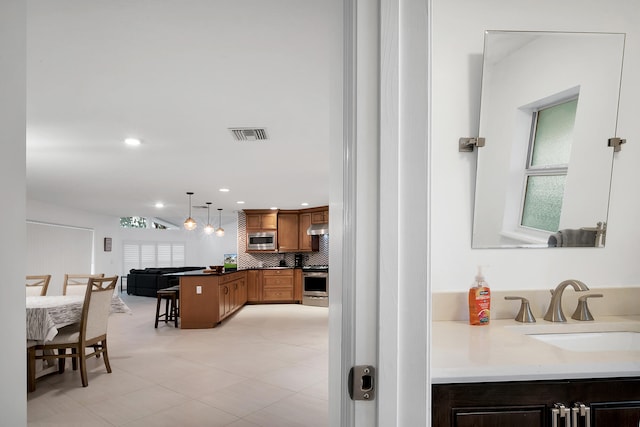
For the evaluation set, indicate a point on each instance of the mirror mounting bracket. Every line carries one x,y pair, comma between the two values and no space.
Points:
616,143
466,144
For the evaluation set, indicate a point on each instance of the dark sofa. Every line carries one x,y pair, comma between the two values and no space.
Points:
148,281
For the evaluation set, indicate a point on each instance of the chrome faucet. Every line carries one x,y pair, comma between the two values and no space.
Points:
554,312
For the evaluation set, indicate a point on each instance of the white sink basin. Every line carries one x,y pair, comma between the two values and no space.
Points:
593,341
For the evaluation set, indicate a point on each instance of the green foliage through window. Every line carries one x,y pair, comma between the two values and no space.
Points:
133,222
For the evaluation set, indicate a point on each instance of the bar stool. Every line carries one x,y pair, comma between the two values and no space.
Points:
170,308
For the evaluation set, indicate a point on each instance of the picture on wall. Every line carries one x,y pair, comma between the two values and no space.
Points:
230,262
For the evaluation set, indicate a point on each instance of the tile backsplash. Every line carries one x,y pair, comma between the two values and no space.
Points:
248,260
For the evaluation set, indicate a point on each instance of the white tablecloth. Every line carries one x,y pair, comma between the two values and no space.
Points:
46,314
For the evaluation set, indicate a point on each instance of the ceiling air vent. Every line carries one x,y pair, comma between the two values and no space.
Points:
249,134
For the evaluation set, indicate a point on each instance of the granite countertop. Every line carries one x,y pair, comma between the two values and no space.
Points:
206,273
503,351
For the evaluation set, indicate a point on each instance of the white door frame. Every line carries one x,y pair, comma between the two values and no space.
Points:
379,277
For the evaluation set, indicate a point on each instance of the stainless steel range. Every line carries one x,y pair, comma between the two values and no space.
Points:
315,285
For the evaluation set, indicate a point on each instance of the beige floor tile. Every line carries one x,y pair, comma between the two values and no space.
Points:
188,414
295,411
246,397
265,366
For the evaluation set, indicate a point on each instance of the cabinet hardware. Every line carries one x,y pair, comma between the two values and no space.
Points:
581,410
362,382
560,411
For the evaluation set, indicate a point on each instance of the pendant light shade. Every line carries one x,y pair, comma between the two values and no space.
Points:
208,229
190,223
219,230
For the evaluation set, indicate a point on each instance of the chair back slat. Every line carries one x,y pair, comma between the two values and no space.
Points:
76,284
37,285
97,306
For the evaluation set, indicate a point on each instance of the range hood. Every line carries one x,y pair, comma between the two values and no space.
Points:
318,229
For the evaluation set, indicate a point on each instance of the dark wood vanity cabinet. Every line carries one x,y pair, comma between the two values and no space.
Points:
611,402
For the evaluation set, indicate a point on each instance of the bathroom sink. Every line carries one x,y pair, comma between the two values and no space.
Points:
592,341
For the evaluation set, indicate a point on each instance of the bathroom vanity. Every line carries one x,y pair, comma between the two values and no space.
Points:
504,375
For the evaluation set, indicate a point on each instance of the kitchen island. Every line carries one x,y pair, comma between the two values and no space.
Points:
502,375
207,298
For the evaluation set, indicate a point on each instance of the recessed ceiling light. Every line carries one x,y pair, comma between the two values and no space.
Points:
159,205
240,202
304,204
224,190
274,208
132,141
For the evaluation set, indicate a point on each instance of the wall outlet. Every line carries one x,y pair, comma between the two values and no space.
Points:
198,289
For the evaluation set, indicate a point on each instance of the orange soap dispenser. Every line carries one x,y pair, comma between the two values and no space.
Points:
479,301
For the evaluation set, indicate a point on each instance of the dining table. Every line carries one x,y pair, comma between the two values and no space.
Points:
46,314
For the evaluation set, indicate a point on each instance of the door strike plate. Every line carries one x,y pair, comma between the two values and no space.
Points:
362,382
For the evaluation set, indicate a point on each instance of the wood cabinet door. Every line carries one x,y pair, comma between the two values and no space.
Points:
319,217
224,301
533,417
261,221
288,232
254,288
304,240
620,414
297,285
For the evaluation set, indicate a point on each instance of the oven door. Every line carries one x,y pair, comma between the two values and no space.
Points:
315,289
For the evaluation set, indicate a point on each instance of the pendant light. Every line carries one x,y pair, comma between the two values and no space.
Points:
219,230
208,229
190,223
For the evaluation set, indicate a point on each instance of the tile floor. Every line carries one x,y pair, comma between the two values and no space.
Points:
265,366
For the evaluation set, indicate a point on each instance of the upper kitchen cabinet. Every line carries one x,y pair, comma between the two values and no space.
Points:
306,243
288,232
261,219
320,217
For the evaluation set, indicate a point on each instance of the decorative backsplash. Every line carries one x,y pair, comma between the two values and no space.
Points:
246,260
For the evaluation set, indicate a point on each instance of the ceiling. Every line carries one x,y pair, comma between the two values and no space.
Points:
177,75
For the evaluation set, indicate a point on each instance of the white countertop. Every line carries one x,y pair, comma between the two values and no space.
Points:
502,351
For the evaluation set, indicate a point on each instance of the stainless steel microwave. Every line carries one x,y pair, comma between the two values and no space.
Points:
261,241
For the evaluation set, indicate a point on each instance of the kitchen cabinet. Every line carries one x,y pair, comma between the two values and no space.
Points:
261,219
232,294
320,217
288,232
277,285
306,243
297,285
611,402
254,286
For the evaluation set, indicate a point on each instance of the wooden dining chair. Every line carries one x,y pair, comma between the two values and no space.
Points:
75,284
90,334
37,285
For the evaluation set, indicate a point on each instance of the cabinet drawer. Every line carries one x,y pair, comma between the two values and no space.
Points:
227,278
277,294
278,273
277,281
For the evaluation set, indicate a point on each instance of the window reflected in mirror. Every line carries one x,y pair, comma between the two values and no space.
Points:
548,105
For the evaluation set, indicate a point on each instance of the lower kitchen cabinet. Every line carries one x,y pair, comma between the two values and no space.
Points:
277,285
596,402
254,285
232,294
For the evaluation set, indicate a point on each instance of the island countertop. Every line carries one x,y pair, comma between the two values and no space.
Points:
503,351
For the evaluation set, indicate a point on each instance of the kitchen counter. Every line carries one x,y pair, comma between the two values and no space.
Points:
502,351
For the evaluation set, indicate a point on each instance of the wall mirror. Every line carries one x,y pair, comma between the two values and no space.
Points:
549,105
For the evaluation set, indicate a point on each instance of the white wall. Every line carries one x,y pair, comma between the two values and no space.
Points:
458,30
201,249
13,405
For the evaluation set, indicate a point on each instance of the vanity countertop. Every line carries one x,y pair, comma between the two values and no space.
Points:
502,351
